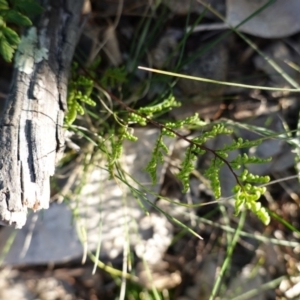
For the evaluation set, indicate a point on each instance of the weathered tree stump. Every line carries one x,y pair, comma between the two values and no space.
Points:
31,125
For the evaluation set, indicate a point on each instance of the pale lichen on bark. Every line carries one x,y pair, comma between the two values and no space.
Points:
29,52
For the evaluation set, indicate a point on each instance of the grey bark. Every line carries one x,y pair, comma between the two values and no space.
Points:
31,125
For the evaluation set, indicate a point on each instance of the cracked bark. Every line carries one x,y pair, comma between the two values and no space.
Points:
31,133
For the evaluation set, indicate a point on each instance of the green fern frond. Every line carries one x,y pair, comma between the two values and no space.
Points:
246,176
245,159
168,103
134,118
144,114
187,167
116,145
213,174
157,157
246,193
80,90
187,122
210,134
240,144
247,196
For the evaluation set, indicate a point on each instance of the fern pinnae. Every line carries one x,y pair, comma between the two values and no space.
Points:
80,91
157,157
116,144
187,167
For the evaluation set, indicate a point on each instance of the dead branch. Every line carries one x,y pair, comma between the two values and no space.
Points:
31,132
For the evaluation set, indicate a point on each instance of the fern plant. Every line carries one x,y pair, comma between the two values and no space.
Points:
246,191
14,12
